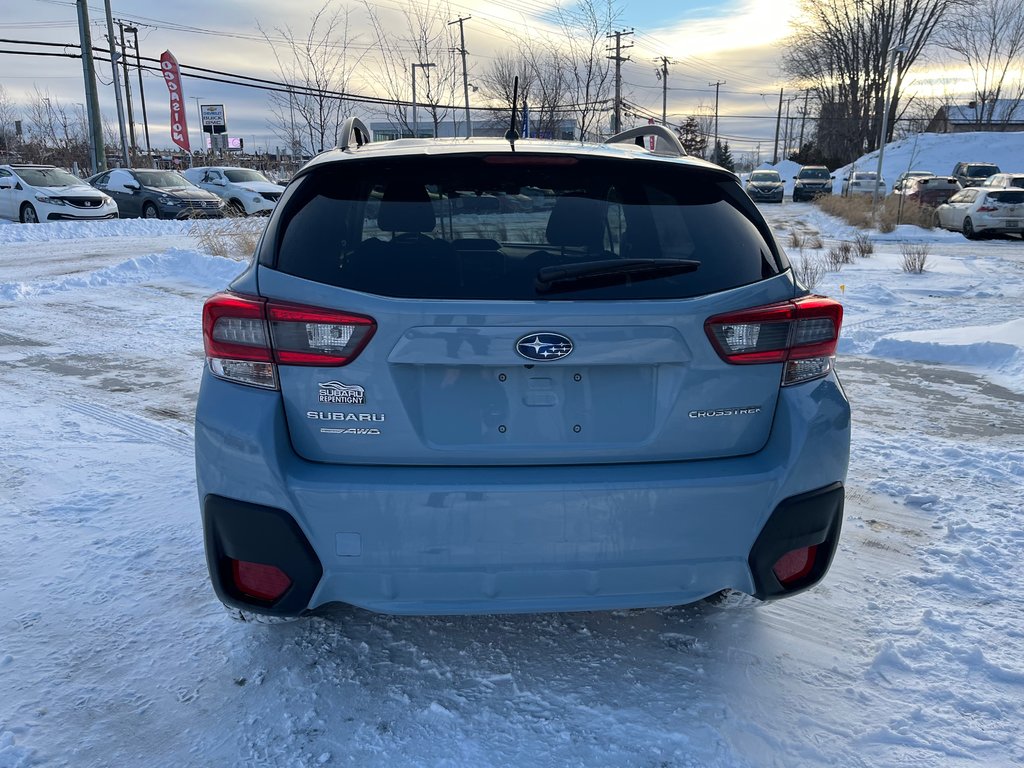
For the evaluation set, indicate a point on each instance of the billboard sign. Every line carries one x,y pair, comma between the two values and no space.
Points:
213,118
172,77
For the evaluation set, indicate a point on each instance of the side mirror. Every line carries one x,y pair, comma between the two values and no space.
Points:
794,178
133,186
218,182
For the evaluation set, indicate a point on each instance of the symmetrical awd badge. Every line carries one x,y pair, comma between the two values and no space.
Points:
544,346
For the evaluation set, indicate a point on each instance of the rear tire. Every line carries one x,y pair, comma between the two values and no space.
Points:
149,211
28,214
968,229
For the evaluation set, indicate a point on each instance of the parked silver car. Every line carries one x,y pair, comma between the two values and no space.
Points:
863,183
978,211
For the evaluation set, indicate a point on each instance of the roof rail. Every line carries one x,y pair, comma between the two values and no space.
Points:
674,146
353,127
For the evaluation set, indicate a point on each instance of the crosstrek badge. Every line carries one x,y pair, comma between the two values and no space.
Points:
337,392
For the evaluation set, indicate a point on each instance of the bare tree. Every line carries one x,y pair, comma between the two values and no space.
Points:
57,133
424,50
841,50
988,36
498,84
542,88
319,65
8,115
585,27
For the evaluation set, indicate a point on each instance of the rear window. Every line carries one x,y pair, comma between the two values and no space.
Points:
472,227
1007,196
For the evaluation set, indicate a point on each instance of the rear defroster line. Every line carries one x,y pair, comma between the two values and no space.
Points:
137,426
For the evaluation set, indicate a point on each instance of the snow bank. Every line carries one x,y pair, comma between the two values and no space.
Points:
77,230
996,348
940,152
212,272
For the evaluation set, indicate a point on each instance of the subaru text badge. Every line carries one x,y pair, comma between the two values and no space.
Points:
544,346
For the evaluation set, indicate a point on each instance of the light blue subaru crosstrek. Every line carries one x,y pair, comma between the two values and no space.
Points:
485,376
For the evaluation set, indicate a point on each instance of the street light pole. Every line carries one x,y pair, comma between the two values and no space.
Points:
199,126
415,124
142,93
885,122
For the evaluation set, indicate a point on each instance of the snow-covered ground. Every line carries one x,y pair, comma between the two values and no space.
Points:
115,652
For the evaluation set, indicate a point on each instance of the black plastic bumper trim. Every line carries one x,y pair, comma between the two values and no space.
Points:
243,531
799,521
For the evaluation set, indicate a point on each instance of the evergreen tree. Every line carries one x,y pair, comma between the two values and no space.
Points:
693,138
723,156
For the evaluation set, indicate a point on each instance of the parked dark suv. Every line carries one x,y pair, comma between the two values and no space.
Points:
973,174
812,181
420,401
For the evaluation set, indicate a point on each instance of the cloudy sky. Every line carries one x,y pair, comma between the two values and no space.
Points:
735,42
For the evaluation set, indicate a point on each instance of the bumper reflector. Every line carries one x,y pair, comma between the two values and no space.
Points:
795,565
264,582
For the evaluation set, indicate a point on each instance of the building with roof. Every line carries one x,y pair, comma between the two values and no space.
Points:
998,115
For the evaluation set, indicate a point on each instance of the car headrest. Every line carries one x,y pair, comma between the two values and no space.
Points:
406,208
577,221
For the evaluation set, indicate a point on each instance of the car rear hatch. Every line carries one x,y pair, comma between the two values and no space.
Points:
1005,206
464,334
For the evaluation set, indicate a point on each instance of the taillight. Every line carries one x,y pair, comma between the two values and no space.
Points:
987,209
802,333
245,336
237,340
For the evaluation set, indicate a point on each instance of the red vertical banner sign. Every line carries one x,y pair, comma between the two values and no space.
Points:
179,125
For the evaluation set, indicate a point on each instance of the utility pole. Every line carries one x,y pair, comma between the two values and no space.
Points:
787,135
142,91
718,84
128,93
663,76
803,121
97,150
778,124
618,58
465,72
117,85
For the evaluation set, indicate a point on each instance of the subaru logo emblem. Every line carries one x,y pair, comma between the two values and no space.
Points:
544,346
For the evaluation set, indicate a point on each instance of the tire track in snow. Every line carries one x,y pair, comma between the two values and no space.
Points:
137,426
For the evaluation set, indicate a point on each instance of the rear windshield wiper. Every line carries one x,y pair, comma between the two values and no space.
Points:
598,274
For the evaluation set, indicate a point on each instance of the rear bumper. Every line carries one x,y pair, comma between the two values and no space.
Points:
455,540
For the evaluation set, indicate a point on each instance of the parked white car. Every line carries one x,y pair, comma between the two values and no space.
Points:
978,211
35,193
863,183
247,192
1004,180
